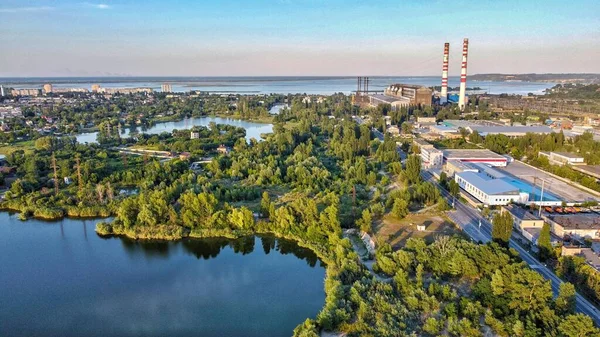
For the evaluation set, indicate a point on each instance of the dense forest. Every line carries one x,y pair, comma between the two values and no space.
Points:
314,177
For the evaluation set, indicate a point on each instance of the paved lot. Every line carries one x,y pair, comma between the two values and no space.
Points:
561,189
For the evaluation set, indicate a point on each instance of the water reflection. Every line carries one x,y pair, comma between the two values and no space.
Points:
207,249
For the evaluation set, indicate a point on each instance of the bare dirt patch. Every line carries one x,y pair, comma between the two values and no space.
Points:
396,231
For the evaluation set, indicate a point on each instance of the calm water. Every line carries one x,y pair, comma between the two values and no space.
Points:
268,85
253,130
61,279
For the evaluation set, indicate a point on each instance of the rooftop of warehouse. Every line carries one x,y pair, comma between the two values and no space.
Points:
488,185
471,154
577,221
511,129
568,154
388,99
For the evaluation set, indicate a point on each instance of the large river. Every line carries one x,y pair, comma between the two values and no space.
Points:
321,85
61,279
253,129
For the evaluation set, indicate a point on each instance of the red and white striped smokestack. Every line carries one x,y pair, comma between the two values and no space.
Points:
444,93
463,75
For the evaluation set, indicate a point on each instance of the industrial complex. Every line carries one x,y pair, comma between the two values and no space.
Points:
403,95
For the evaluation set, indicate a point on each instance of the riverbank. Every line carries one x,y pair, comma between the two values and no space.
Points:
176,233
56,213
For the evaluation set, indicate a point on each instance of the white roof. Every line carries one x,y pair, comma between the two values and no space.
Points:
488,185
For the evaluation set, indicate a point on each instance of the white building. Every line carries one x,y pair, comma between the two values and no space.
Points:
562,158
194,135
166,87
431,157
488,190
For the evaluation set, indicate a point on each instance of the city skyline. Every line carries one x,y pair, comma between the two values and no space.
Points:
295,38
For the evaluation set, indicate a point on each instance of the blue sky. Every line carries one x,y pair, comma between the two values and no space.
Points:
295,37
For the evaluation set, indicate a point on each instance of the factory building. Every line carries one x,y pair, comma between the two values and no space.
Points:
578,226
562,158
485,128
510,131
456,166
416,94
488,190
482,156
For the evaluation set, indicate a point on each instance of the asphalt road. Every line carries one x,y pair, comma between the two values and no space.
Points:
479,229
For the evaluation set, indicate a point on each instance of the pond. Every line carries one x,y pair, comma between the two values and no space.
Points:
253,129
61,279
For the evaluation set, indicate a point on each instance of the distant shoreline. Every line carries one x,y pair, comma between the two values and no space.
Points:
542,78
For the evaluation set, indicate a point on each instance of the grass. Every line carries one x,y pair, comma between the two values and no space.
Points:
26,146
396,231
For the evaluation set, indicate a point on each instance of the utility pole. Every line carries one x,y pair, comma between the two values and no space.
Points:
541,199
55,174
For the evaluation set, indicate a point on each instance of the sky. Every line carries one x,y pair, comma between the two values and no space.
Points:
295,37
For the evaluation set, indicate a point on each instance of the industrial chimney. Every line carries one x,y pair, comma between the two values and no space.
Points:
463,75
444,93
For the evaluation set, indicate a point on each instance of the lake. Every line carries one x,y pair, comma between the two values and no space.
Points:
253,129
61,279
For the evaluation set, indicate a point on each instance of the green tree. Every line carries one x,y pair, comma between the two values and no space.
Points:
406,128
197,209
400,208
265,205
578,325
413,169
453,188
544,244
365,221
502,228
565,301
241,218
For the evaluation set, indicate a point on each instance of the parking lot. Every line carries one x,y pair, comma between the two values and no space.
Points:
557,187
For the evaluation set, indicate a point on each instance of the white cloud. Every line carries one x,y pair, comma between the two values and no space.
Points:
26,9
97,6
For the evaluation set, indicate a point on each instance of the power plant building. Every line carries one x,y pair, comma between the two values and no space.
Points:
395,102
416,94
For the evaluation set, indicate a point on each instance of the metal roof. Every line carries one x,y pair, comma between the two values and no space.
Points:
486,130
389,99
488,185
471,154
568,155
